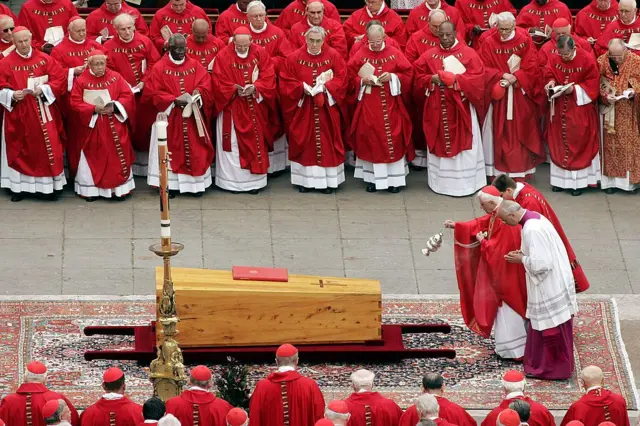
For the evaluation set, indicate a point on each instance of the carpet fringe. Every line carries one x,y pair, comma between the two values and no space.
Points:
623,352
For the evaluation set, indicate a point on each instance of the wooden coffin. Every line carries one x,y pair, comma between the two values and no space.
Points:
216,310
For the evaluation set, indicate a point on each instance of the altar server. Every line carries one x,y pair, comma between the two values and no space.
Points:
152,410
113,408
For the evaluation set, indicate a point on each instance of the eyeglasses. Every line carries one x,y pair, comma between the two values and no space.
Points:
6,30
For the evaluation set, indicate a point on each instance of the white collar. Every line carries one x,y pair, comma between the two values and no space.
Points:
176,61
6,42
314,54
286,369
261,30
511,36
127,41
383,46
242,55
433,8
378,12
594,388
513,395
77,42
27,56
454,45
150,421
519,186
364,390
112,395
197,388
238,7
432,418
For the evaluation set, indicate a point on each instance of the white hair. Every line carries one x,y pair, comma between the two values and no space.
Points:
592,375
427,406
435,12
91,58
484,197
256,3
315,2
506,17
24,31
74,22
375,27
509,207
363,379
510,387
332,415
30,377
6,19
169,420
123,19
629,2
287,361
316,30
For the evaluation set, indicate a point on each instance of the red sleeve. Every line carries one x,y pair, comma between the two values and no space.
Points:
83,110
602,44
422,76
591,81
57,78
338,41
350,29
399,33
318,403
472,81
289,88
331,11
412,22
337,86
141,25
154,93
224,84
152,58
154,31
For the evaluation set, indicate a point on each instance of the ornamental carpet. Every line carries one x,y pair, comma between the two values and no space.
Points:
50,330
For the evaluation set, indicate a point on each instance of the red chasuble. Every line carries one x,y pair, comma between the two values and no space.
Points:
335,37
275,43
474,12
34,148
540,416
534,15
295,12
446,117
531,199
550,49
205,52
381,126
101,18
597,406
419,17
286,395
177,22
517,143
110,412
38,16
420,42
314,128
591,21
106,146
449,411
210,411
251,119
617,29
372,409
27,402
191,154
393,25
229,20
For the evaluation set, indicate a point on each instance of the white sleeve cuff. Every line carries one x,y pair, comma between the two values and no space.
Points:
120,112
363,87
94,118
48,94
70,77
6,96
332,101
395,86
258,98
581,96
168,111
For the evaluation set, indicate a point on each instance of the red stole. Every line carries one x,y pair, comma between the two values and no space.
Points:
204,52
534,15
335,35
177,22
617,29
127,57
26,403
198,405
419,17
540,416
597,406
475,12
295,12
110,412
273,40
70,54
102,18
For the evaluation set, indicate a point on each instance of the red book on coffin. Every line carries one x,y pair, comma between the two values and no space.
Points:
252,273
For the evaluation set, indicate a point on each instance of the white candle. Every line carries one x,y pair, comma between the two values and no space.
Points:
161,130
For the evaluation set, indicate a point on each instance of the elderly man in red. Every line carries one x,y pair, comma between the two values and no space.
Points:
25,405
476,13
100,21
381,126
594,18
426,38
540,14
622,28
7,24
235,16
561,27
176,17
338,412
296,10
202,45
113,408
367,407
198,399
355,25
419,16
47,19
315,18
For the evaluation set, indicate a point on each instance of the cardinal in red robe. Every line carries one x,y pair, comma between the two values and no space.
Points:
202,45
315,18
43,15
198,405
540,14
355,25
181,88
286,394
235,16
367,407
313,87
245,94
476,13
176,17
295,12
598,404
25,405
381,126
561,27
532,199
427,407
572,127
100,21
133,56
511,132
113,408
622,28
337,412
593,19
513,384
419,16
364,41
33,138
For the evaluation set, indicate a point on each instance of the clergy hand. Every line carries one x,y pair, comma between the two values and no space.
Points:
368,81
569,91
436,79
592,40
195,92
534,29
514,257
78,70
104,33
511,79
108,109
449,224
480,236
37,92
549,85
358,38
18,95
250,90
384,77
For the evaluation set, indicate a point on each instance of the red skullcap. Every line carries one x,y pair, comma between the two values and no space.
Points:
74,18
491,190
36,367
509,417
338,406
605,424
324,422
112,374
242,31
201,373
448,78
497,92
97,52
561,23
50,408
513,376
236,417
19,29
579,423
286,350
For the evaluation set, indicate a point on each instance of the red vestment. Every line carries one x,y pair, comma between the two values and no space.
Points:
591,21
334,38
275,43
550,49
304,402
110,412
420,42
419,17
314,128
211,411
295,12
191,154
4,10
393,25
474,12
449,411
517,143
597,406
381,126
371,405
14,410
573,133
205,52
533,15
102,18
38,16
531,199
134,61
34,148
229,20
177,22
616,29
251,119
446,117
106,146
540,416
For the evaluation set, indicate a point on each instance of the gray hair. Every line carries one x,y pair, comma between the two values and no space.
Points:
484,197
426,422
435,12
316,30
372,29
24,31
509,207
332,415
289,361
427,406
30,377
510,387
256,3
506,17
123,19
175,37
6,19
55,417
75,21
565,40
315,2
363,379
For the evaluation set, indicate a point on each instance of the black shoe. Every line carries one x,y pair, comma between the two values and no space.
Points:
416,168
610,191
557,189
276,174
197,194
393,189
90,199
172,194
51,197
371,187
576,192
254,192
327,191
121,198
15,197
303,190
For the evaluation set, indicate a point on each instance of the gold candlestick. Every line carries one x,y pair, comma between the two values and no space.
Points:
166,372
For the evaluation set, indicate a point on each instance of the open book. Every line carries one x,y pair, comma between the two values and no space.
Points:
97,97
627,94
321,80
54,35
557,91
545,35
166,32
453,65
254,77
368,70
34,82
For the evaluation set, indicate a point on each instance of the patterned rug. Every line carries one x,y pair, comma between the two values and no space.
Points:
50,330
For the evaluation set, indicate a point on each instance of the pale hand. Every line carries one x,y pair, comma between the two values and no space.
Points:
592,41
569,91
449,224
368,81
104,33
240,92
37,92
139,86
195,92
78,70
357,39
480,236
611,99
514,257
384,77
250,90
511,79
436,79
98,109
18,95
549,85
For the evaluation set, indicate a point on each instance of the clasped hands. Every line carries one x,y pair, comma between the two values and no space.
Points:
181,103
104,109
509,78
19,95
247,91
385,77
514,256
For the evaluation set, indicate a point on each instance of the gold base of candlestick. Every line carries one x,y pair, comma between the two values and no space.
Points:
159,249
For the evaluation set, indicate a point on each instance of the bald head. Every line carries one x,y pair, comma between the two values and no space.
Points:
617,51
447,26
592,376
315,13
6,28
200,30
436,18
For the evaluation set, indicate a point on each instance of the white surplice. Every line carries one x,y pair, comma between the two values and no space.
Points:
510,332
